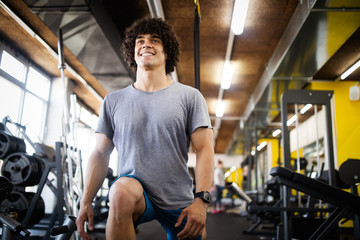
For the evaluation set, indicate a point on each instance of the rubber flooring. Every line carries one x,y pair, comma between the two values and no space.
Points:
226,226
219,227
229,226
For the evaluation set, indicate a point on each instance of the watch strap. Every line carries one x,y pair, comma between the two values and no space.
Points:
204,195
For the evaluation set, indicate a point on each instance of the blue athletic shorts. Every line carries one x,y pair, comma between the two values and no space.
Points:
166,218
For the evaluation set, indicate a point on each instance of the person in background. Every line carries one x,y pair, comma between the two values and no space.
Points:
219,183
151,123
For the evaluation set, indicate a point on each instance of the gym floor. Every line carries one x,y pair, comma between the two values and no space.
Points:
219,227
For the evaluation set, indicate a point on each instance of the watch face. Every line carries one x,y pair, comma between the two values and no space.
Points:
204,195
207,196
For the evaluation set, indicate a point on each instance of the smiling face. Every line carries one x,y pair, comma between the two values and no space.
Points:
149,52
156,26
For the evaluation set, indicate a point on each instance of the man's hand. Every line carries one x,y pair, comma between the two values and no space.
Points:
196,219
86,213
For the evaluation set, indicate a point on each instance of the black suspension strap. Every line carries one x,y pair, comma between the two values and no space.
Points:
197,18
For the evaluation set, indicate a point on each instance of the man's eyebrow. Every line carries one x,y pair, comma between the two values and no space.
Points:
152,36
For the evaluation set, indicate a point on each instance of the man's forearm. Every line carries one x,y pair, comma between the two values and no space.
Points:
95,175
204,171
202,139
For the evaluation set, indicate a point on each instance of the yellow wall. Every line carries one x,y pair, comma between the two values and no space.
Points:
236,176
347,117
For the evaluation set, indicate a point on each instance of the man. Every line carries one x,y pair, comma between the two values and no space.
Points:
151,124
219,182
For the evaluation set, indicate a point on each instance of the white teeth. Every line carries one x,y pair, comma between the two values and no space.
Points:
147,54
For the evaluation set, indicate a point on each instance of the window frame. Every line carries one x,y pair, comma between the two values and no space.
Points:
23,86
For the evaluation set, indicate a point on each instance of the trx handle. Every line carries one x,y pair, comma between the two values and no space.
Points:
197,44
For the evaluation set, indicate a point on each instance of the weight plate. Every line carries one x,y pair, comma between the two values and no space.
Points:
19,203
5,187
10,144
22,169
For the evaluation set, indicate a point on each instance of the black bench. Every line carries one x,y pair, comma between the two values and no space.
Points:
344,202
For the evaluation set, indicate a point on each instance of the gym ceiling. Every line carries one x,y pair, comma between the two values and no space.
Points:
286,44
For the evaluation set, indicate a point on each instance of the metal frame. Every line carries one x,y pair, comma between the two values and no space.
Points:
342,201
312,97
305,97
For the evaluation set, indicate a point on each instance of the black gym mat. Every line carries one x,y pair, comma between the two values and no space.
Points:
219,227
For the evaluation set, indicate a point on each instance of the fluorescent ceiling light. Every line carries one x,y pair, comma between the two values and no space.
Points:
276,132
220,107
239,16
242,124
252,153
227,75
261,146
305,108
232,169
350,70
291,120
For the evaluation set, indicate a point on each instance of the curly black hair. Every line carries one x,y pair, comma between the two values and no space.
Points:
156,26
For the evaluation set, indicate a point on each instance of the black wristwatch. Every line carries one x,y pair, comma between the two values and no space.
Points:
204,195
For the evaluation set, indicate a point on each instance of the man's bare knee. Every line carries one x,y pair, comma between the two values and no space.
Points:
126,198
121,201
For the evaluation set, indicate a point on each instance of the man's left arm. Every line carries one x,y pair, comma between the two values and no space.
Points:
202,140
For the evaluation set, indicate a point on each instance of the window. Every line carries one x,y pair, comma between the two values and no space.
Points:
13,66
33,116
24,94
38,84
10,97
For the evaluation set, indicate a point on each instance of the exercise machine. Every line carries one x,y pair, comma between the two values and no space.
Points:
343,202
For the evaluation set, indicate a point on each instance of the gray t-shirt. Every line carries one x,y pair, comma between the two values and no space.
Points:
151,132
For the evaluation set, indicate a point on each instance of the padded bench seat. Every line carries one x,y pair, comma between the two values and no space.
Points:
343,201
317,189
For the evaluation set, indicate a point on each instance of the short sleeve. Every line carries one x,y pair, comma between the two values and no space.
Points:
105,125
198,113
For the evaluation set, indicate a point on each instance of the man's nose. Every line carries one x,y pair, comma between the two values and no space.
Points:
147,44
